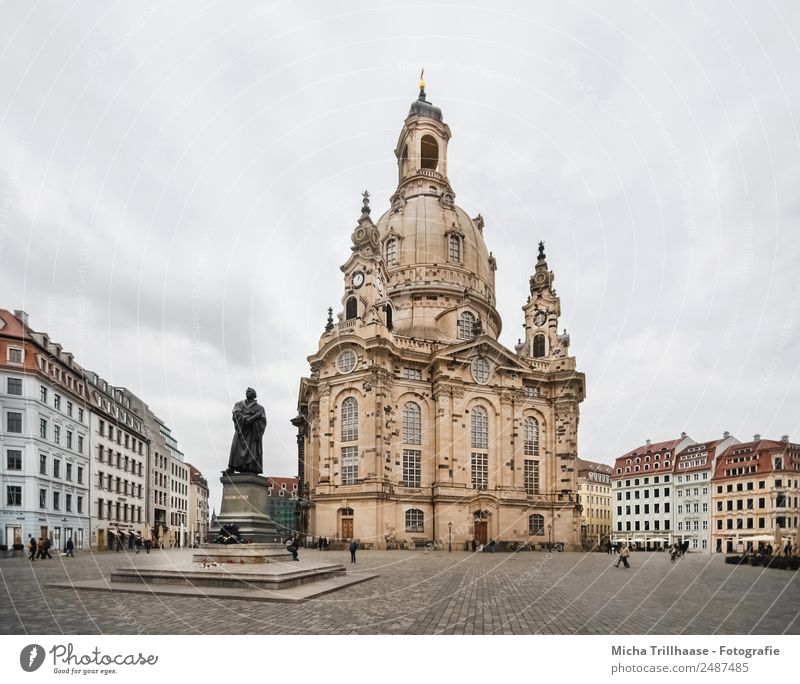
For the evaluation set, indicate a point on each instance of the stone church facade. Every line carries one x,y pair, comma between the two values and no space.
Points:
416,425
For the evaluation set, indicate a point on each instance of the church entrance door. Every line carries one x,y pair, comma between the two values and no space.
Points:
347,528
481,531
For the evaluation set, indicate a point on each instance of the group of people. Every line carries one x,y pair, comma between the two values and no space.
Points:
678,550
322,543
41,548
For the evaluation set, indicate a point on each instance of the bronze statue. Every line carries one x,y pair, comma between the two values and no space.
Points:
249,422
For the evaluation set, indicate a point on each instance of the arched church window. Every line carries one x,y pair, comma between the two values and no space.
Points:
391,252
454,249
531,436
536,524
429,152
412,423
538,346
351,309
415,520
350,419
465,324
479,438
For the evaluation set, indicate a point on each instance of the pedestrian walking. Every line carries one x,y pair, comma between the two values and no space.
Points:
320,542
147,545
138,544
623,556
353,548
32,548
70,548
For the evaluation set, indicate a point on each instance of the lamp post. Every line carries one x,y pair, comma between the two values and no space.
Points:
449,537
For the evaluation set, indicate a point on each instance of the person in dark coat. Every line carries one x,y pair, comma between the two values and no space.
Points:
291,547
147,545
32,548
353,548
70,548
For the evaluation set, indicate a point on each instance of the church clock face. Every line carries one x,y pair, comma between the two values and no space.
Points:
358,279
539,318
539,278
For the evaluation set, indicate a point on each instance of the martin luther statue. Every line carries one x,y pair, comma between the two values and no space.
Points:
249,422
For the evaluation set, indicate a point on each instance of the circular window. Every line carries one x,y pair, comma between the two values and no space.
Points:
346,361
481,370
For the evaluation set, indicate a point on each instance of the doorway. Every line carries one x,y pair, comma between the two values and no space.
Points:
346,523
481,531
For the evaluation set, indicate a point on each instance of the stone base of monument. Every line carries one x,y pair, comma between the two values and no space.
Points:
177,573
241,553
245,504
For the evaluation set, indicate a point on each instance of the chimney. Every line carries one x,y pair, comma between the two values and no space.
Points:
785,438
21,315
726,434
683,435
647,442
757,437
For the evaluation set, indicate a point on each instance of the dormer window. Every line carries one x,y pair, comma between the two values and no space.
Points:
390,252
454,248
466,324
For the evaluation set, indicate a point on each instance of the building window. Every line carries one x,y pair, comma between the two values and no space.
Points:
14,459
57,401
479,428
412,374
466,322
480,470
412,467
531,476
349,419
349,465
412,423
415,520
14,386
57,434
481,370
531,436
69,409
454,248
535,524
68,503
43,394
80,504
43,464
56,468
538,346
351,309
391,252
80,444
13,495
13,422
15,355
69,439
346,361
42,498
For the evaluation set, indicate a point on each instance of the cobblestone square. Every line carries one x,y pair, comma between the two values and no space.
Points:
420,592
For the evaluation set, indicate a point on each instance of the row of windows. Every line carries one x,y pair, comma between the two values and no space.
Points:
72,442
14,462
122,486
636,509
645,494
123,462
781,501
43,394
749,523
130,441
415,522
637,526
14,498
646,481
692,525
118,511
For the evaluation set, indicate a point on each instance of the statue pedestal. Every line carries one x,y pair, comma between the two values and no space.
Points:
245,504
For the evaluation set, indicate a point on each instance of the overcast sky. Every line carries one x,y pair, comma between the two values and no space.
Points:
178,186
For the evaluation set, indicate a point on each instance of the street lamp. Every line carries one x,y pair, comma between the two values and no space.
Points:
449,537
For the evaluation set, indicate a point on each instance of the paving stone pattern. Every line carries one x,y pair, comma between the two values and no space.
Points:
424,593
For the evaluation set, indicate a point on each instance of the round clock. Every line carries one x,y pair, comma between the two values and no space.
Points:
539,318
358,279
539,278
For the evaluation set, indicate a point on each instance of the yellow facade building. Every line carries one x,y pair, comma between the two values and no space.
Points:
416,423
